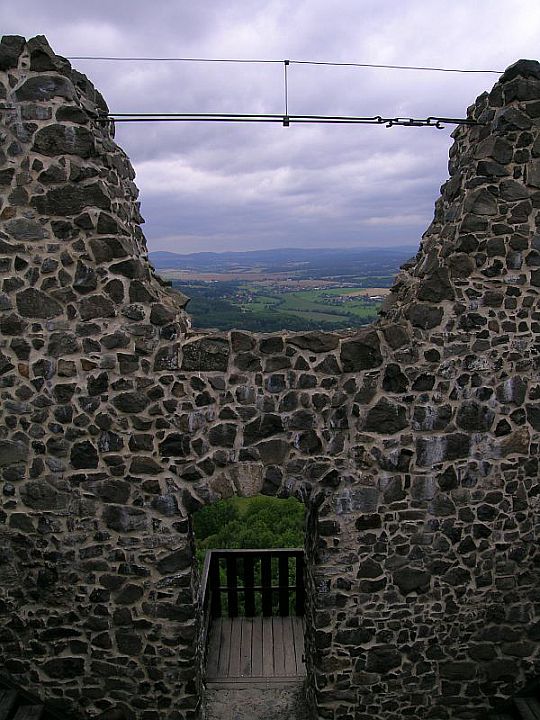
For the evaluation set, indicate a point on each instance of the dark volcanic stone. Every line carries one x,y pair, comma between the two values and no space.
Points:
161,315
131,268
64,139
131,402
85,279
96,306
45,87
26,230
250,362
11,46
424,316
262,427
354,636
71,113
98,384
71,199
42,57
411,580
84,455
174,445
533,416
106,249
12,325
395,335
382,659
222,435
394,380
241,341
63,668
129,594
273,452
33,303
458,670
62,343
386,418
124,518
141,465
369,569
206,354
317,342
474,416
308,442
12,451
40,495
176,561
6,176
521,68
436,287
362,353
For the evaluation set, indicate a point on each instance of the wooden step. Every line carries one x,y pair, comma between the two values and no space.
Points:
529,708
8,698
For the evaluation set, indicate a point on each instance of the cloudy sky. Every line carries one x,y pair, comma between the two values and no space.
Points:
209,186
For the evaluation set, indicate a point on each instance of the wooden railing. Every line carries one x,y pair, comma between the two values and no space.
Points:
253,582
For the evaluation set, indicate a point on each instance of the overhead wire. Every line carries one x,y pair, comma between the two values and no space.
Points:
292,62
285,118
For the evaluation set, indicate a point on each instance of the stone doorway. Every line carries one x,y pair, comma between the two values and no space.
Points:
253,608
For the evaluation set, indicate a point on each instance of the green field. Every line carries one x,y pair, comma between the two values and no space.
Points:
256,306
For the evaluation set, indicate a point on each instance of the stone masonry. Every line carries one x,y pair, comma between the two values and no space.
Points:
414,443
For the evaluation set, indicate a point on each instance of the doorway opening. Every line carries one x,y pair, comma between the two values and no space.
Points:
251,557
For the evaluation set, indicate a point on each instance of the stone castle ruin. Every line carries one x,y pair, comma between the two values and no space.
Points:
414,443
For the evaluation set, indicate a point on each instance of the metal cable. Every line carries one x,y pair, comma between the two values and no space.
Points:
286,120
292,62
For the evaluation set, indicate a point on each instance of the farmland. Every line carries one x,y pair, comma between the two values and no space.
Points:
287,291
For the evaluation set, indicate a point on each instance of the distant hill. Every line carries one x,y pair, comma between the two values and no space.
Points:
304,260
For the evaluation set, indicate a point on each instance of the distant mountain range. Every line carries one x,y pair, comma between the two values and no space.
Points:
333,260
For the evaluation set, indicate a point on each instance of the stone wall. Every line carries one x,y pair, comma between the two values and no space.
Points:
414,443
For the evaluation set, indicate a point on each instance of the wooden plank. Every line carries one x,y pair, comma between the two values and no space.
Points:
257,647
266,584
300,585
268,647
214,646
298,633
255,684
224,648
29,712
528,707
246,651
7,701
236,644
214,582
283,574
279,647
288,647
232,586
249,583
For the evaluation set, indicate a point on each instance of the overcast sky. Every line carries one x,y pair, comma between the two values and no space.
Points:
224,187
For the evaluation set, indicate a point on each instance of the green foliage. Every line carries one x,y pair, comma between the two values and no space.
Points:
259,522
256,307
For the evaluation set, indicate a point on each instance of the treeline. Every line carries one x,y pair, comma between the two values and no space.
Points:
259,522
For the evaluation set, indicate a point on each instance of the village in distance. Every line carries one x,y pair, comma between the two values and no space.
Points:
283,289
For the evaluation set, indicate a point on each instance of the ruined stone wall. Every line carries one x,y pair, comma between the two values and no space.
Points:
413,443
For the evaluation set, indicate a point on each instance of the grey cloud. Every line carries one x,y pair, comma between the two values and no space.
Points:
223,186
